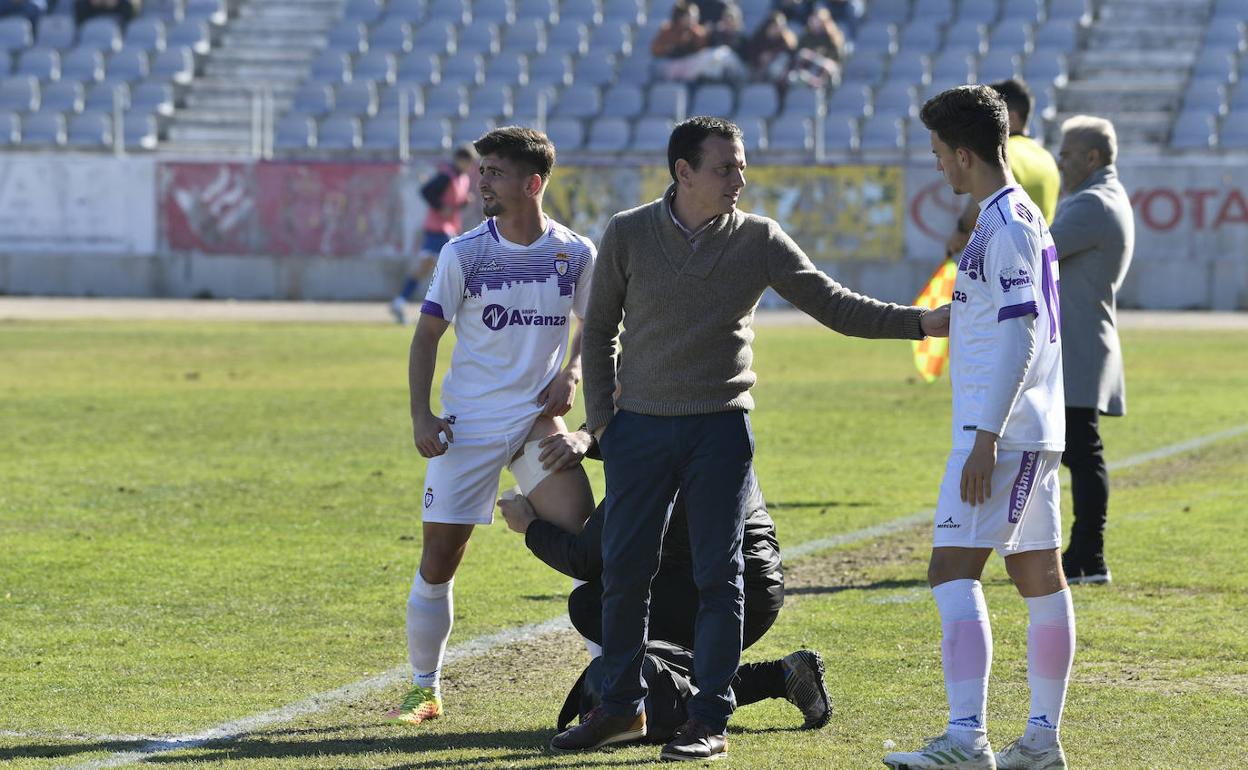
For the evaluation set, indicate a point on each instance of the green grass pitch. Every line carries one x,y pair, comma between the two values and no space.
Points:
205,521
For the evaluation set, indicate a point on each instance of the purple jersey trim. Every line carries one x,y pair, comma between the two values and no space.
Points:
1014,311
493,230
1022,485
433,309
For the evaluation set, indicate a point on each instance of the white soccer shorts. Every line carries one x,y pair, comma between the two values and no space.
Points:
462,484
1024,513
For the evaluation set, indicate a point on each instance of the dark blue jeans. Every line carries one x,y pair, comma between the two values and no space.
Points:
646,460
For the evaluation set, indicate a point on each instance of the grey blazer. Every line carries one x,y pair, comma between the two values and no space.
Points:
1094,231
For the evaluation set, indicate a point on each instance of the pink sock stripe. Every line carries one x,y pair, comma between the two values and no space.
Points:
1050,651
967,648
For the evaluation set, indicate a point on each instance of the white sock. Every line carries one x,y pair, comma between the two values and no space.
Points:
593,648
1050,652
966,653
430,613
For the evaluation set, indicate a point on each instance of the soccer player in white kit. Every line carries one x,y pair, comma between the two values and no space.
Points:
510,286
1000,490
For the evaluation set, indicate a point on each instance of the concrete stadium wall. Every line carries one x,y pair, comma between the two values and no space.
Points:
135,227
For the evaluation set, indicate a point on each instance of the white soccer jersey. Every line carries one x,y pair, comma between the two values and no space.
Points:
510,305
1009,269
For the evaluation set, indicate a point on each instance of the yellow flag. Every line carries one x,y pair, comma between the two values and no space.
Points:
931,353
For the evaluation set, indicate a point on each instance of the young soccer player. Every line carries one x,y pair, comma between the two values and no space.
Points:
510,286
1000,489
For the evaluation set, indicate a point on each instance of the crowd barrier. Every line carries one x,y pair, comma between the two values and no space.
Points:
73,224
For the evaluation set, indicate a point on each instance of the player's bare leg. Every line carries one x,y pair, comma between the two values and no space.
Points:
563,498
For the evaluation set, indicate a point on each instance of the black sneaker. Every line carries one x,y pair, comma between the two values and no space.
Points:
695,742
804,687
600,729
1092,571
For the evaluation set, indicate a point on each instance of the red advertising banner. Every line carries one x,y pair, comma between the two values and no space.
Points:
330,209
208,207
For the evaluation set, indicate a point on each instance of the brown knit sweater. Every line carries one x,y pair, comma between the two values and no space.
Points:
687,314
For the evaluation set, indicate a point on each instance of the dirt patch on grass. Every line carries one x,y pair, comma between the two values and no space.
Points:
860,566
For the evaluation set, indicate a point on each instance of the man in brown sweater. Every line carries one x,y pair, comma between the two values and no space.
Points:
685,274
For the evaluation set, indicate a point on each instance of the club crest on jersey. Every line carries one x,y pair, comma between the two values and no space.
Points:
428,497
561,263
1014,277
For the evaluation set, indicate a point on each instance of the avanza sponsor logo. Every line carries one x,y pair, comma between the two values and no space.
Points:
497,318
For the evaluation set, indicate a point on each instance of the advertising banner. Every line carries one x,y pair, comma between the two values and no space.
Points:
77,204
1188,211
330,209
208,208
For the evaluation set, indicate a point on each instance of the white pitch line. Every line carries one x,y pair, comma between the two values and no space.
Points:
489,642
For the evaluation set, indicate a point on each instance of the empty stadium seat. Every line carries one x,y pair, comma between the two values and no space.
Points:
175,64
631,12
911,69
753,134
533,100
525,36
838,134
356,98
1234,133
849,101
19,93
876,39
864,67
585,11
101,32
1060,35
313,98
129,64
610,38
140,131
294,132
90,130
148,33
82,64
1044,66
367,11
446,100
153,97
332,67
491,100
430,134
790,135
497,11
339,132
382,133
479,38
880,132
1017,11
1011,37
412,11
597,70
543,10
609,135
800,102
551,68
918,139
893,98
952,65
212,11
391,36
1067,9
892,11
579,100
65,96
566,133
471,129
933,13
10,129
636,68
16,33
715,99
465,68
1192,130
350,38
668,100
623,100
39,62
568,36
995,66
919,37
192,33
965,36
509,69
392,100
421,67
437,36
380,66
651,134
457,11
44,129
58,32
759,100
108,95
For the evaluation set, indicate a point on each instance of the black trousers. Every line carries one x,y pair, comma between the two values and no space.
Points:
672,614
1089,481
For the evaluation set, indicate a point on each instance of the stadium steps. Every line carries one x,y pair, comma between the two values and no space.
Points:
267,46
1132,68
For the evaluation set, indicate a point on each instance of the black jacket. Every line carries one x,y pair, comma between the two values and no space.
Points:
580,556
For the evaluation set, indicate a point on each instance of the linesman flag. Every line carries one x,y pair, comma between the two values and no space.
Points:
930,353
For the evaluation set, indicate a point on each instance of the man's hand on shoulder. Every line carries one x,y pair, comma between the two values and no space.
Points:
557,397
935,323
561,451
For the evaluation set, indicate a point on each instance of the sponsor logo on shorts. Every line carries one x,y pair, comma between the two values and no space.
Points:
1014,277
948,524
429,497
1022,485
497,317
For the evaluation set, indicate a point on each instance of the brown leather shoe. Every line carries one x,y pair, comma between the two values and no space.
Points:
695,742
598,730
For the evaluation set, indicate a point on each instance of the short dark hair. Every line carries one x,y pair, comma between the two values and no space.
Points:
1017,97
526,146
687,137
970,117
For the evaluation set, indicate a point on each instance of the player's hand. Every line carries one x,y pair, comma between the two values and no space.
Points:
557,397
425,430
517,512
561,451
935,323
977,471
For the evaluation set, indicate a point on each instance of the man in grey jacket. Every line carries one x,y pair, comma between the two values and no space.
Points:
685,274
1094,232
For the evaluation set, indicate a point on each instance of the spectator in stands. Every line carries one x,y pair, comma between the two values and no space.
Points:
710,12
683,52
31,9
795,11
820,50
124,10
1094,232
770,51
729,31
847,14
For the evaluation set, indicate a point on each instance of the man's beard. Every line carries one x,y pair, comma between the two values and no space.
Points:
492,209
